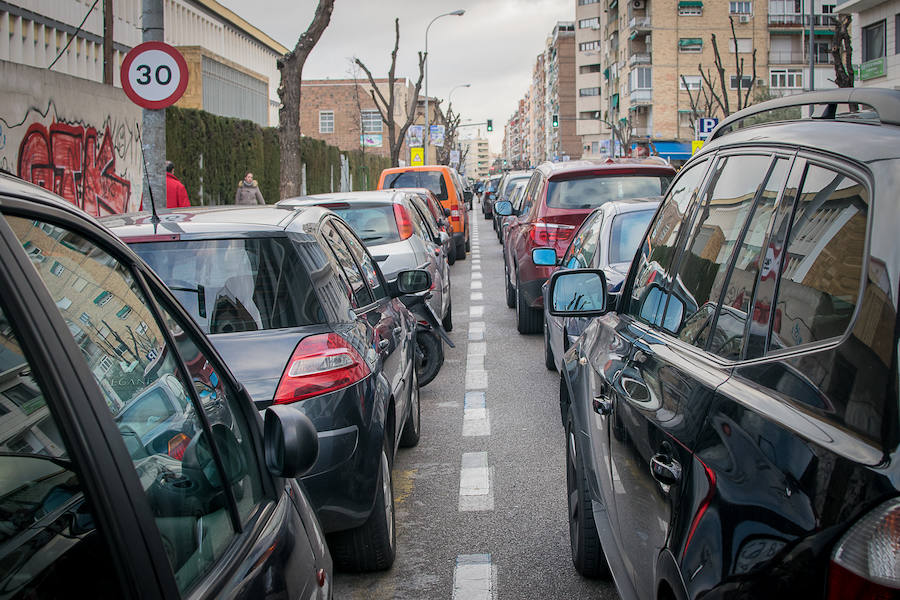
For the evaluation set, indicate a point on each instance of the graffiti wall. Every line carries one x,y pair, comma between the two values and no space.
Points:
77,138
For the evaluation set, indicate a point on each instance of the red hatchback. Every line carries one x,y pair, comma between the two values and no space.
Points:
558,197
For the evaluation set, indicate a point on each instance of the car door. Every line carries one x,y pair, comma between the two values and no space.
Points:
669,382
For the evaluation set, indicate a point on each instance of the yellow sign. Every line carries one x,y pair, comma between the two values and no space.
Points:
695,146
417,156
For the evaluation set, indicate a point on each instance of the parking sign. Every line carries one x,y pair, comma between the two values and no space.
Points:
706,126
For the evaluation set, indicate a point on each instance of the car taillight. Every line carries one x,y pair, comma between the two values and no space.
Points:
866,562
321,363
177,445
454,214
404,223
551,234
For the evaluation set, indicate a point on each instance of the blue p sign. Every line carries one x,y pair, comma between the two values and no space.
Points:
707,124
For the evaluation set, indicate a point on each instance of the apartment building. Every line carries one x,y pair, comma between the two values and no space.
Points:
589,78
562,141
875,34
539,116
477,157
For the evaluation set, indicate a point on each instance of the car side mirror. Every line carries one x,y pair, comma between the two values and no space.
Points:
446,211
578,293
544,257
503,208
290,440
467,195
443,237
411,281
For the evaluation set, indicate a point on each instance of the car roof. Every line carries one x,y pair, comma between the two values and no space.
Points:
652,164
417,168
390,196
632,204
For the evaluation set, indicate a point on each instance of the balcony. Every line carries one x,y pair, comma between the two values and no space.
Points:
640,131
798,58
798,20
639,58
641,96
639,24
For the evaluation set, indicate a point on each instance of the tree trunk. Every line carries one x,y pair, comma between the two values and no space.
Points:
291,67
841,51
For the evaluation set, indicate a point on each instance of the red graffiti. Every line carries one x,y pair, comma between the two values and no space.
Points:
68,162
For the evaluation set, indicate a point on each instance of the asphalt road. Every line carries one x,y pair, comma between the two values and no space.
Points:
466,532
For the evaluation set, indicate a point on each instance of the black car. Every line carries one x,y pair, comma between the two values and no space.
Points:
301,313
733,423
133,463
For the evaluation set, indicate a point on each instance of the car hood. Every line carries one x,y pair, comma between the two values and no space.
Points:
394,257
258,358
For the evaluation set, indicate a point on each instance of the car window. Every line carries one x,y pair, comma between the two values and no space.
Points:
820,271
51,544
419,226
428,222
523,205
155,409
626,233
584,246
433,180
361,295
363,261
650,274
594,190
729,198
373,224
232,285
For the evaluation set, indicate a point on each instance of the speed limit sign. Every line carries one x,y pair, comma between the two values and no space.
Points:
154,75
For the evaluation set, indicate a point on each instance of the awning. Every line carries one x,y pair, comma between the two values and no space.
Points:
633,35
690,3
614,3
822,31
673,150
690,42
614,100
606,73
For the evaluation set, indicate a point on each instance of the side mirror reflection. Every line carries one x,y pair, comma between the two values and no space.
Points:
413,281
579,292
503,208
544,257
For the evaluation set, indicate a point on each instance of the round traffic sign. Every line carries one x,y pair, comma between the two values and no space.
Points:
154,75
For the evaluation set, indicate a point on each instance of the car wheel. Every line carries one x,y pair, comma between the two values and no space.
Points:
451,256
468,246
564,401
528,320
412,429
373,546
447,321
461,251
431,356
510,290
549,362
587,554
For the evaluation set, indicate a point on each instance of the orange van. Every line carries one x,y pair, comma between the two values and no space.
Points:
447,186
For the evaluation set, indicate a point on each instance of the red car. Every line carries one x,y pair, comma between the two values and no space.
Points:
558,197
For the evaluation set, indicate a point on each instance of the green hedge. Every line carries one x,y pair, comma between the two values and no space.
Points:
218,151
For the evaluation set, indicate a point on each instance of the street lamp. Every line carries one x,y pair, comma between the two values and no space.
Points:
455,13
455,87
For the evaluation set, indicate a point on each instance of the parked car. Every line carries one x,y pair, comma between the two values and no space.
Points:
302,314
515,199
489,195
442,217
558,197
122,474
446,185
733,419
608,240
505,188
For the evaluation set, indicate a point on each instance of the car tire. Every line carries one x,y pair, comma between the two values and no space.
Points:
528,320
447,321
451,256
461,251
429,346
587,553
549,361
510,290
468,245
412,429
564,401
373,546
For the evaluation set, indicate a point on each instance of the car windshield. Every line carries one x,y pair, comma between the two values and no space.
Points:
373,224
511,185
235,285
626,234
594,191
433,180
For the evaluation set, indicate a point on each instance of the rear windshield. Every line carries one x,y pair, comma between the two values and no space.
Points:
594,191
506,192
373,224
236,285
433,180
626,233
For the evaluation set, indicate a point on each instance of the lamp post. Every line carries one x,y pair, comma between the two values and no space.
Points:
455,13
450,102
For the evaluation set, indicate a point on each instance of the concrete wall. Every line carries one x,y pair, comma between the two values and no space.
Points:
75,137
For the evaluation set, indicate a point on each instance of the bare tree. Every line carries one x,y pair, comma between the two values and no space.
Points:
840,50
720,96
451,123
386,106
291,67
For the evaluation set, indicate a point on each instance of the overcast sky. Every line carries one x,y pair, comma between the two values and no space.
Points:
493,46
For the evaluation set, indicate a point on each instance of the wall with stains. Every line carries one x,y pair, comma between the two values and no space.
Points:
77,138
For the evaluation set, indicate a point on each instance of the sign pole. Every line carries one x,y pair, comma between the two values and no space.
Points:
153,123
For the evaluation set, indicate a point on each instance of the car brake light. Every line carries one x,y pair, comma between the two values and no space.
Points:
546,234
177,445
404,223
321,363
866,561
454,214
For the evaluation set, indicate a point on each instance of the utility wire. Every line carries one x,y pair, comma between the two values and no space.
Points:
74,35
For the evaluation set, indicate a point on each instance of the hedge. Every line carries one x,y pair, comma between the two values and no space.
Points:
214,153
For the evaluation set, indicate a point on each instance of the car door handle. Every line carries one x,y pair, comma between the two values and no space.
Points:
665,469
383,344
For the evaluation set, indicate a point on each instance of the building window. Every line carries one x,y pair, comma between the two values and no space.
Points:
741,7
640,79
584,2
744,45
786,78
326,121
690,45
585,46
896,34
370,121
597,68
693,82
591,91
685,121
746,82
593,23
828,9
690,10
873,41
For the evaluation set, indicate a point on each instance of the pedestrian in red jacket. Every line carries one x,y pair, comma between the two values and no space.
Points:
176,194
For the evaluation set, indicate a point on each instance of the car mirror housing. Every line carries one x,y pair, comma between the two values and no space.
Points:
578,293
443,237
503,208
412,281
467,195
544,257
291,441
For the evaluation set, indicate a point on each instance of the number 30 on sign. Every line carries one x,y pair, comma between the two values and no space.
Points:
154,75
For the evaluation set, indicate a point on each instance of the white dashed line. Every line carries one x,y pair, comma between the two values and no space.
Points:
476,285
476,276
475,493
476,297
476,418
476,312
474,577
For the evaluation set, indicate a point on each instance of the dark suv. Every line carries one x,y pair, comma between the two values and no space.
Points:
733,421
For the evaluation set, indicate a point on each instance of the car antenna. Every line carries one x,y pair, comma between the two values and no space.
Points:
155,218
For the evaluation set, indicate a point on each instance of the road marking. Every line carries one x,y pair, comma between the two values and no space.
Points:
476,285
476,312
476,268
476,276
476,297
476,380
473,577
476,331
475,491
476,417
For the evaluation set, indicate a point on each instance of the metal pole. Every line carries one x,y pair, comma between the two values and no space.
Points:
108,42
812,45
153,128
456,13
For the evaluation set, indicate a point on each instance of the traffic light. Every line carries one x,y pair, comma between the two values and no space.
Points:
490,124
556,120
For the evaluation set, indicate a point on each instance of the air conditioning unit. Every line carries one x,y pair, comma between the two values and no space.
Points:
638,4
741,18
